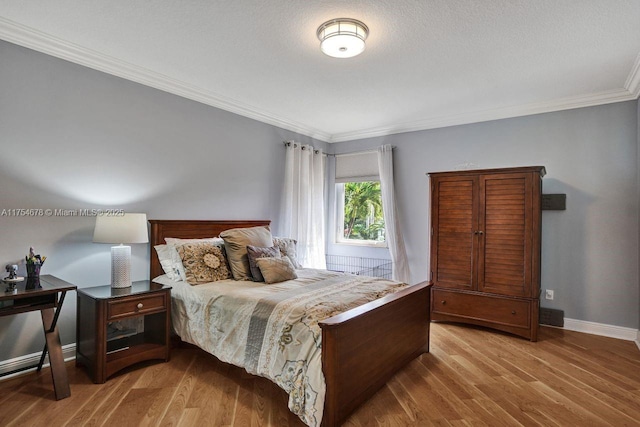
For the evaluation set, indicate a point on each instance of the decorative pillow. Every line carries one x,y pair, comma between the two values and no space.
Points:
166,261
236,241
177,263
288,248
173,242
254,252
276,270
203,262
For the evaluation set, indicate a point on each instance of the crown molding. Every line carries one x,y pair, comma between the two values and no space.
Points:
632,84
45,43
606,97
33,39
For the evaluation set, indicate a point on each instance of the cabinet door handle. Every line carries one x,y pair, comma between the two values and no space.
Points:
140,305
443,302
513,312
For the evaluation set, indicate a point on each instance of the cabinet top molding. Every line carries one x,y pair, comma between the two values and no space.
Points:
539,169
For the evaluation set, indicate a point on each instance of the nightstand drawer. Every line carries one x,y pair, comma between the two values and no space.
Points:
136,306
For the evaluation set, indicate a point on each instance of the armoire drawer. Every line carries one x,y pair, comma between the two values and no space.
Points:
489,308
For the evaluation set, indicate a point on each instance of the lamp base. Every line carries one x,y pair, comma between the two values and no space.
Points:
121,266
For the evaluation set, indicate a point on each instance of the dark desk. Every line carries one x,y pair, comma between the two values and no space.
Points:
46,300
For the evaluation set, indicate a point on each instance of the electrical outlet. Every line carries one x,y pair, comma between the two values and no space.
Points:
548,294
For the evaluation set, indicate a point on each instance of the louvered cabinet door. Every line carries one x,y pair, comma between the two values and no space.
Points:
485,248
505,244
454,219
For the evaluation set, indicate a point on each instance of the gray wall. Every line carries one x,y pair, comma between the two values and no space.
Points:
590,251
75,138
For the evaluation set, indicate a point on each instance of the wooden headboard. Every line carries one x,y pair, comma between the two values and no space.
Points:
189,229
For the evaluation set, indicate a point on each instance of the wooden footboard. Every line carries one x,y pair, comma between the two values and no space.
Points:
361,348
364,347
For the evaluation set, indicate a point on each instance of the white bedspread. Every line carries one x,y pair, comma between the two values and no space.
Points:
272,330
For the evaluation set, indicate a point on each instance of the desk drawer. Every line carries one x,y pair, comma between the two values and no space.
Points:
136,306
489,308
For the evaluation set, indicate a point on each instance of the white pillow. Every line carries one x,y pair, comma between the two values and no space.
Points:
175,241
167,261
176,261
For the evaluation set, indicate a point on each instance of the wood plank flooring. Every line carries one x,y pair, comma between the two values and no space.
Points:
471,377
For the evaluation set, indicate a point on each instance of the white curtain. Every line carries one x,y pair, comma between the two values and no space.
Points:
392,227
302,212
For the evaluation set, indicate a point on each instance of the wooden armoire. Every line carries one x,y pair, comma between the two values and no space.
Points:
485,248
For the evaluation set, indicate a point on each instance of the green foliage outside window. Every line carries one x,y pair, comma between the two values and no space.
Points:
363,217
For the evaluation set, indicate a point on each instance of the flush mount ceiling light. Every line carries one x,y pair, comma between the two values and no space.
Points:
342,37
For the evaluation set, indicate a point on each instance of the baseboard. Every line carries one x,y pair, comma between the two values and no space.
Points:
68,352
619,332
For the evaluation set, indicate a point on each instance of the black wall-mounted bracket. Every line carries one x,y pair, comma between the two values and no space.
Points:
554,202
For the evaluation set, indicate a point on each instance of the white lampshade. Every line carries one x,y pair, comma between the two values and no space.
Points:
343,37
128,228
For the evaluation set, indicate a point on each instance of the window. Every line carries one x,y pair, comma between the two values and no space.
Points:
359,215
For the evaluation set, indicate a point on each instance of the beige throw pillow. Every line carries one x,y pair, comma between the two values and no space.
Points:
254,252
236,241
276,270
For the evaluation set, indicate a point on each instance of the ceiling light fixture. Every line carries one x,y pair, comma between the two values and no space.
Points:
342,37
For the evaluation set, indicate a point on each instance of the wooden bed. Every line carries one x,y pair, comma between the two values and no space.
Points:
361,348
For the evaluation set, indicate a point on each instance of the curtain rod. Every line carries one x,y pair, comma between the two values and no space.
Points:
288,143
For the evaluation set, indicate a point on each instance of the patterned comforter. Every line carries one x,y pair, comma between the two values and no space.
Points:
272,330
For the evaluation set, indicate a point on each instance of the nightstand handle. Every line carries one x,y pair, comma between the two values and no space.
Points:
140,305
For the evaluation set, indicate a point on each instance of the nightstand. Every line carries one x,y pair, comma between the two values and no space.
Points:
117,328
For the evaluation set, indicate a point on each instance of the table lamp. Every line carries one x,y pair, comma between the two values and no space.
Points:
127,228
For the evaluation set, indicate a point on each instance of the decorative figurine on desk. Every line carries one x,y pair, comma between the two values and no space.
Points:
12,269
12,278
34,262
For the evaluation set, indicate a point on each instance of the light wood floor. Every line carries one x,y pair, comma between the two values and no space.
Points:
472,377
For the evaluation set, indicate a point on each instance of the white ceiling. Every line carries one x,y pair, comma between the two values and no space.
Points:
427,64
